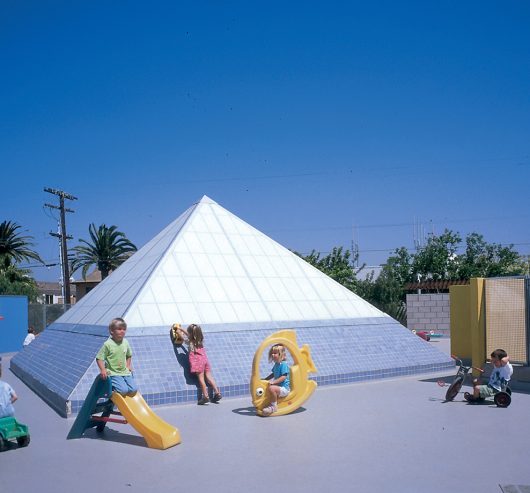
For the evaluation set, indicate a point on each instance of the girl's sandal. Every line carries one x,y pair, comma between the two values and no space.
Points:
217,397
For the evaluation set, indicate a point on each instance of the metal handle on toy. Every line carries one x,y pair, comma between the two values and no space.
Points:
456,358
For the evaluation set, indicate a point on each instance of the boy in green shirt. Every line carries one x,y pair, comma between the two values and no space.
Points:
114,359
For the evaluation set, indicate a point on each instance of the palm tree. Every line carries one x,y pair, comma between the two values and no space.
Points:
19,282
107,250
14,247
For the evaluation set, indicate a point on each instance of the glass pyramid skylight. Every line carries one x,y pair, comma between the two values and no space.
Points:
210,267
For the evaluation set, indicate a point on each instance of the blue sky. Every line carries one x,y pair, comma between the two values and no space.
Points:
306,119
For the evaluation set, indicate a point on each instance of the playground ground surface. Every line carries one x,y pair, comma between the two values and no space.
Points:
392,436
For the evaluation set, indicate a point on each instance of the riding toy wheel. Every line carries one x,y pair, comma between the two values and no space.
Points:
502,399
23,441
453,389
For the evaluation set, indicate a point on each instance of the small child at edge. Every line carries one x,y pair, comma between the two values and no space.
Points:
7,398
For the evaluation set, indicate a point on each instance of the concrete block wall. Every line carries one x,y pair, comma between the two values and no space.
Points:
429,312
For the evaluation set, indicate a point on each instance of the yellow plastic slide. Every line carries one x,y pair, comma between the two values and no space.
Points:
157,433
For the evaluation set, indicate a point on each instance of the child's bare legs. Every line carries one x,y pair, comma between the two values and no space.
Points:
211,381
476,388
202,384
273,392
475,396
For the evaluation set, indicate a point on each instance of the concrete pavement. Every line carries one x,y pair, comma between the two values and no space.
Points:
382,436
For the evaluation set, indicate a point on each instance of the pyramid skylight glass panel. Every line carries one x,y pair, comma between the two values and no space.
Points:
213,246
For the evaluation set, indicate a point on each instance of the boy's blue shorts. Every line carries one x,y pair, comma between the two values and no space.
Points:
123,385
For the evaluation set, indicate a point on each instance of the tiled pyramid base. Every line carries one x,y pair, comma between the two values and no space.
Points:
60,367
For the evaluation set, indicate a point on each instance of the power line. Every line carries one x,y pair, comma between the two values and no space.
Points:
54,264
348,169
415,223
409,249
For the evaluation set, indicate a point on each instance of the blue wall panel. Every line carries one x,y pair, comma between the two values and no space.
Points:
13,322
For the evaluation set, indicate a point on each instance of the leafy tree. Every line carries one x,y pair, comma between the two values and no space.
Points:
400,266
14,247
388,294
107,250
339,265
388,287
365,288
482,259
438,260
15,281
525,265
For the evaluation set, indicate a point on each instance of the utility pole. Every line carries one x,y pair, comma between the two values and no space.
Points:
418,234
355,247
65,270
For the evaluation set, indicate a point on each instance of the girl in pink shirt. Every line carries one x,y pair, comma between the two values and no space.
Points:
199,363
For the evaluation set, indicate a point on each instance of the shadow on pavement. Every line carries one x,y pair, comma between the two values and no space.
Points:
251,411
447,379
245,411
110,435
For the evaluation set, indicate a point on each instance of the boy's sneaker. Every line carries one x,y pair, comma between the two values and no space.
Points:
270,409
471,398
203,400
217,397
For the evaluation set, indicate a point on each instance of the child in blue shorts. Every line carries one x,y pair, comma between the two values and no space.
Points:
114,359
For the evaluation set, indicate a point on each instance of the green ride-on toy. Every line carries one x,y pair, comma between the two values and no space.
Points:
11,429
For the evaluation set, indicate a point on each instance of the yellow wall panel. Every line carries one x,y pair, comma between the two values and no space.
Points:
460,326
477,321
506,317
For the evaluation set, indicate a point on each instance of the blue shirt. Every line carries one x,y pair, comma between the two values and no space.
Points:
6,406
280,369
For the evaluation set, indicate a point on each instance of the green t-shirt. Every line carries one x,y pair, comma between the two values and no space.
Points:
115,357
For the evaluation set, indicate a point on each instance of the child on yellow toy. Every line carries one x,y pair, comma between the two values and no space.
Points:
279,382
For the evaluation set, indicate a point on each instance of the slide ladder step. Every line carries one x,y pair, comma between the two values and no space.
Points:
109,420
